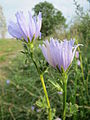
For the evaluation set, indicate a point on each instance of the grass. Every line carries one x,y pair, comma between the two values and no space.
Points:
8,50
24,89
22,83
9,45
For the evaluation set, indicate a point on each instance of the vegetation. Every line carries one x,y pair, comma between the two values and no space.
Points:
52,18
21,89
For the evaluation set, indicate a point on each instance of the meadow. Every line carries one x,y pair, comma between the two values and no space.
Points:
21,92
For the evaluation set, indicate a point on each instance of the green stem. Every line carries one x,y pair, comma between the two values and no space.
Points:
34,62
82,70
43,84
74,102
81,65
46,95
75,89
64,96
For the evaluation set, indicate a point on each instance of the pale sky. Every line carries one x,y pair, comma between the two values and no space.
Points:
10,7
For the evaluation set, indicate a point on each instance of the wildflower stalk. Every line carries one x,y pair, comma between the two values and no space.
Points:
81,63
42,81
75,88
86,85
64,95
82,70
46,95
82,67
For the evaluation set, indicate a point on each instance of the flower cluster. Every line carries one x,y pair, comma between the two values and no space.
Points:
57,54
23,29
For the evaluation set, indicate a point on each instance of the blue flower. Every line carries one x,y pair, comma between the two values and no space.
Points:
60,93
59,54
24,29
7,81
32,108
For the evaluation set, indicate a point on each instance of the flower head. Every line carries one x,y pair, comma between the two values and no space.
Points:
59,54
23,29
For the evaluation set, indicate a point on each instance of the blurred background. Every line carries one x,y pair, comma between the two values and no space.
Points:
57,9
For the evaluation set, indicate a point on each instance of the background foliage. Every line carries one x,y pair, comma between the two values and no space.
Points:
51,17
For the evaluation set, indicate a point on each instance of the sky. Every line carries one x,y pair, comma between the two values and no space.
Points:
67,7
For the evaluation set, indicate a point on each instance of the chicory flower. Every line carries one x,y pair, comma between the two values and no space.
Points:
59,54
24,29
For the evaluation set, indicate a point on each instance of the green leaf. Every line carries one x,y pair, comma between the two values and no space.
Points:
56,85
42,103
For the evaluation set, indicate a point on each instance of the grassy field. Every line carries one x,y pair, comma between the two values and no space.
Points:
22,82
8,50
21,89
